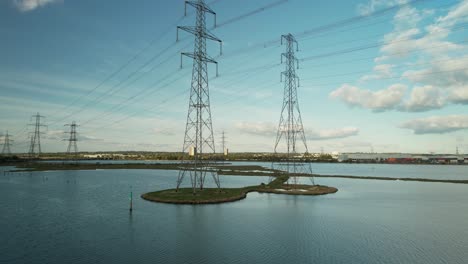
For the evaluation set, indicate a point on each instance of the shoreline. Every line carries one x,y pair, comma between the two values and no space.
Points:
222,170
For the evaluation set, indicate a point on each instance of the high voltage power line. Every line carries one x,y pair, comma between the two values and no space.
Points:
354,49
110,92
398,77
124,104
171,98
395,66
127,63
229,83
232,20
142,93
328,27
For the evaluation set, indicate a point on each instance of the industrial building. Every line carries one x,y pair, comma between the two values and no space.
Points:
402,158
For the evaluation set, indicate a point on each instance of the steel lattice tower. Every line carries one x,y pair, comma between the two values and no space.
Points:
35,147
6,151
223,143
199,130
72,150
290,126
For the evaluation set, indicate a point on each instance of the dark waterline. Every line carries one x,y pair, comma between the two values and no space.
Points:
83,217
442,172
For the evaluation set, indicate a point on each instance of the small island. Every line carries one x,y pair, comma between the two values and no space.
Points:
223,195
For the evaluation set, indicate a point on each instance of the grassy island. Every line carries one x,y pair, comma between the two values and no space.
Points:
223,195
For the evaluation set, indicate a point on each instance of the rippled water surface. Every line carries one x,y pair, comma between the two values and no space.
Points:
83,217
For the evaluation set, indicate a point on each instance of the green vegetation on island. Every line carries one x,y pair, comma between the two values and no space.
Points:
222,195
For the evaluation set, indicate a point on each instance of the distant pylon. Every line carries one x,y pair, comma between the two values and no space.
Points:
199,130
223,143
6,151
35,147
72,150
290,126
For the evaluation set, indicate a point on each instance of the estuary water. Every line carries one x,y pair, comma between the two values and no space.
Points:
451,172
83,217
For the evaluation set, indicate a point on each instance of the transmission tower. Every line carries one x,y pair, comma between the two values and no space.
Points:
223,143
72,150
35,147
290,126
199,130
6,151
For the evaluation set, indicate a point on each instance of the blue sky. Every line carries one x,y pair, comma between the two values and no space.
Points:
394,82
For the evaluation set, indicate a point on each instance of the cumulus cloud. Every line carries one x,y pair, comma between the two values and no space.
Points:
373,5
332,133
378,101
459,95
437,124
257,128
450,75
438,77
380,71
447,72
55,135
269,130
456,15
425,98
29,5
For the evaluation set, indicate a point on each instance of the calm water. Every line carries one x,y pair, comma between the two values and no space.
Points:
452,172
82,217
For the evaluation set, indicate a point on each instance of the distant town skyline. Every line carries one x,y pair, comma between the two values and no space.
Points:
381,76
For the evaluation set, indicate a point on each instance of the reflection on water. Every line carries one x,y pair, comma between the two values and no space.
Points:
83,217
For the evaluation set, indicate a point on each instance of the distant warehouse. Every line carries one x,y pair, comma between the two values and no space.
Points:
401,158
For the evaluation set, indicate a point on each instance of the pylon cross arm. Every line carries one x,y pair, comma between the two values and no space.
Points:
202,58
201,5
195,31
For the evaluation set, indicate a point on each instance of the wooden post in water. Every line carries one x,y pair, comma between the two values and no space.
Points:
131,200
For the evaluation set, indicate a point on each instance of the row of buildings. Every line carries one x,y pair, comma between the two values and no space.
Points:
402,158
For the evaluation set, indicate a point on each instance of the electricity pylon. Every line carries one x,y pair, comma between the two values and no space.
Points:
290,126
6,151
35,147
72,150
223,143
199,130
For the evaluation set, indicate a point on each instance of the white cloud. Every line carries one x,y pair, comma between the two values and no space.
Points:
407,17
380,71
266,129
459,95
384,70
450,72
332,133
29,5
373,5
381,59
441,77
378,101
425,98
408,36
55,135
258,128
456,15
450,75
437,124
